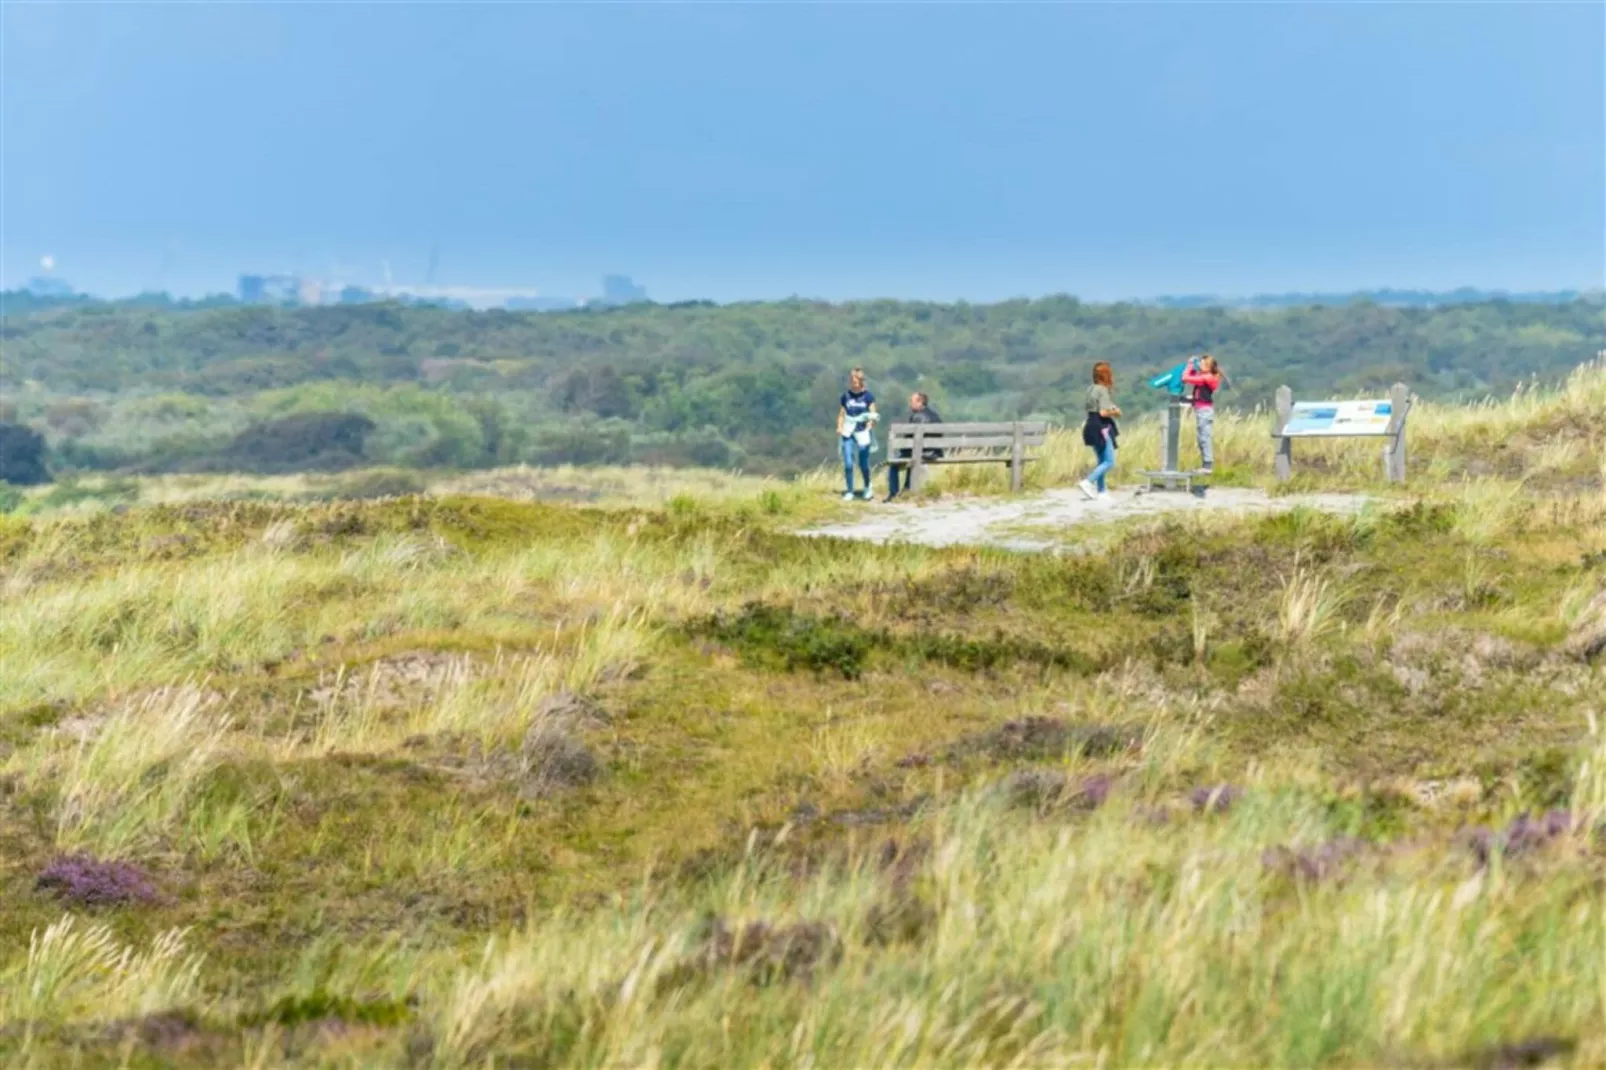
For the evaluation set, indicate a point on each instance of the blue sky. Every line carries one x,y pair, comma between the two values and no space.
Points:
761,150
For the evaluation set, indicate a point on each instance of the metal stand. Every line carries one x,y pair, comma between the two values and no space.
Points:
1170,475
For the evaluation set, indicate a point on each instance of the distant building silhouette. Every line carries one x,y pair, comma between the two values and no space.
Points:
541,304
621,290
270,290
456,304
45,286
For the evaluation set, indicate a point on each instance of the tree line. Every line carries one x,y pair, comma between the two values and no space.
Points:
152,387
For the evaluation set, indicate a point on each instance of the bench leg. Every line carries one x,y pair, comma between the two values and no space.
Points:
917,476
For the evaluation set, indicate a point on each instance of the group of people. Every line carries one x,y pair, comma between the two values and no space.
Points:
1101,430
857,415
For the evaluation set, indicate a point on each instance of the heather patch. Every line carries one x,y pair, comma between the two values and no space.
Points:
761,952
83,880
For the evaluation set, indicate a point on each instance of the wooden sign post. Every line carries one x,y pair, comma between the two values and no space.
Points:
1344,419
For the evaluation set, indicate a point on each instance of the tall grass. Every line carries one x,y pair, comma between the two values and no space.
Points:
152,621
72,970
133,777
220,614
1537,431
1111,943
1589,786
1309,606
495,700
611,486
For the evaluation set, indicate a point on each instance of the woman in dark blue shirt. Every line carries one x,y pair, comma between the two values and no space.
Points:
854,416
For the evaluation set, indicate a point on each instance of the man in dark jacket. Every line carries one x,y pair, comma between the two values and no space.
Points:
920,412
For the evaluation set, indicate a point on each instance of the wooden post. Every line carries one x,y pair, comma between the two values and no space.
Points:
917,459
1285,445
1394,451
1017,460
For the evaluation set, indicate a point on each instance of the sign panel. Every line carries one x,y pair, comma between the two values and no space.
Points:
1314,419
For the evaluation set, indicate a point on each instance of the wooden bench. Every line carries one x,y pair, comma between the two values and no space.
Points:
1003,443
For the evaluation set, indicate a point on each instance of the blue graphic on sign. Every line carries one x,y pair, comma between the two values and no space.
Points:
1339,418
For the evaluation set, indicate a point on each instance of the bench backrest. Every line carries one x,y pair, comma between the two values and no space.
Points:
959,436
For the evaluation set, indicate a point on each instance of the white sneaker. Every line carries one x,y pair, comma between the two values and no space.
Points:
848,495
1104,496
1087,489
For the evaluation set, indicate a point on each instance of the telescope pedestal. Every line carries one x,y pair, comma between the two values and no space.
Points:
1170,475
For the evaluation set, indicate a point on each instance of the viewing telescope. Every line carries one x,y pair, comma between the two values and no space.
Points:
1170,476
1171,381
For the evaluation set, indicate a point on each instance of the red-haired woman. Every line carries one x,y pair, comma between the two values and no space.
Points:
1100,431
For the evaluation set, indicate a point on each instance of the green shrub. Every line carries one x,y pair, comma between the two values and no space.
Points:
779,638
22,456
310,441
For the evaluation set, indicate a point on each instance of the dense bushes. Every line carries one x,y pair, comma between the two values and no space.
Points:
754,385
312,441
22,456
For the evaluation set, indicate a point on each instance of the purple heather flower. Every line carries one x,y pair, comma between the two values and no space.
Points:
1215,798
1092,792
1525,833
88,881
1316,862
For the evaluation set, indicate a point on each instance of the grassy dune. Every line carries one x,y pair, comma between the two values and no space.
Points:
451,780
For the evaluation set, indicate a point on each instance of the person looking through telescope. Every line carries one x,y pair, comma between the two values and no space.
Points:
1203,373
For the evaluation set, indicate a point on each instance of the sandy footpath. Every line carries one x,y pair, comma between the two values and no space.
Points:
1000,521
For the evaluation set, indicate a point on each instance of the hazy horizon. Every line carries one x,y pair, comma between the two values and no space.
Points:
491,298
841,152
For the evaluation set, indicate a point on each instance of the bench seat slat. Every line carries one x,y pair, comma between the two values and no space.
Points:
960,441
967,436
991,432
965,442
1029,427
995,459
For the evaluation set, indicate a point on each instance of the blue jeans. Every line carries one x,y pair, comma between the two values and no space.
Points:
1106,456
852,451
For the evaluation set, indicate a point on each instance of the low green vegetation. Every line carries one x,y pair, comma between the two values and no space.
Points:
1535,441
454,779
144,388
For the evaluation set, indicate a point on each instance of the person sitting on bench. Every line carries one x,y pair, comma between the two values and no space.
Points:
920,412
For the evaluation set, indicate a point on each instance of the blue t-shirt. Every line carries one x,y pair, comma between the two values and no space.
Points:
857,404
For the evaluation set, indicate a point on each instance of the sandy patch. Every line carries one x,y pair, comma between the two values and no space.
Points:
1007,522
